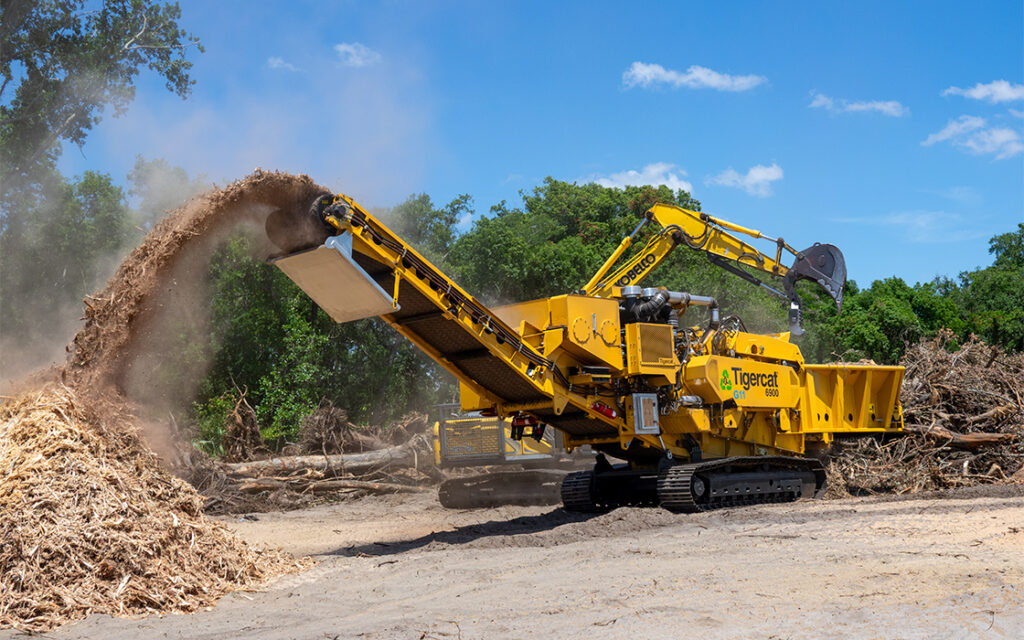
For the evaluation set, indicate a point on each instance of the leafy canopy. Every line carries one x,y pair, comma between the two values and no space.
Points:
63,61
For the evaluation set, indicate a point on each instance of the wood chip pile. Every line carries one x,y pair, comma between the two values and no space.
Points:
89,521
964,414
92,524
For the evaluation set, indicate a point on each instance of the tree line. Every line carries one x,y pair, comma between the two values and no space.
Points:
271,340
63,65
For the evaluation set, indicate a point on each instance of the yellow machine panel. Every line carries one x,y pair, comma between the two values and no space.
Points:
748,383
584,326
466,440
650,350
850,397
329,276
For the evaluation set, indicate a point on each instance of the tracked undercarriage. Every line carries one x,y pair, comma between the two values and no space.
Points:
695,486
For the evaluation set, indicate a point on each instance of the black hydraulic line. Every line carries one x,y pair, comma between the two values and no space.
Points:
715,260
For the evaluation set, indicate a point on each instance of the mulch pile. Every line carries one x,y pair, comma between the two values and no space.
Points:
89,521
964,416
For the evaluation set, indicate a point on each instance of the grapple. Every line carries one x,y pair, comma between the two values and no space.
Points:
820,263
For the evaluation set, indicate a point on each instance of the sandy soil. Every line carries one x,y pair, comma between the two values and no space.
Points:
945,565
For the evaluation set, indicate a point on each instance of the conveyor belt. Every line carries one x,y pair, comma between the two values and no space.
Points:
418,315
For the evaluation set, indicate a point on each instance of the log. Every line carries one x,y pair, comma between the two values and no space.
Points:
969,441
414,454
258,485
326,486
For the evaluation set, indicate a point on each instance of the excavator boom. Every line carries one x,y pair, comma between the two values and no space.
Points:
820,263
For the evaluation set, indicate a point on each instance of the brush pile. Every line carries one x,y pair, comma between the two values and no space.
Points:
964,414
336,457
92,524
327,431
242,439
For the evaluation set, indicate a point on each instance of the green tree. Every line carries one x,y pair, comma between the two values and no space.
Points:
1008,248
431,230
64,61
992,298
73,236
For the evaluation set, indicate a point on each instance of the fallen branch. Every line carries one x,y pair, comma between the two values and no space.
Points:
256,485
259,485
326,486
412,454
969,441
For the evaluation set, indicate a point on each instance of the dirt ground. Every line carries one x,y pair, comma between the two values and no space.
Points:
941,565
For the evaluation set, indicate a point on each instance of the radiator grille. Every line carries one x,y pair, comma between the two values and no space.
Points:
655,343
479,440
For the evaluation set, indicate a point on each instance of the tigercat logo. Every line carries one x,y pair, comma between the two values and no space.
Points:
747,380
725,383
630,275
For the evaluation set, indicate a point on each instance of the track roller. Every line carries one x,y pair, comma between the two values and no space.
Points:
737,482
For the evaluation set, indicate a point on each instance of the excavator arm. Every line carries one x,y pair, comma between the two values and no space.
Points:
820,263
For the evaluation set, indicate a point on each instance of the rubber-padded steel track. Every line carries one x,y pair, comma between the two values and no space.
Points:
534,487
736,482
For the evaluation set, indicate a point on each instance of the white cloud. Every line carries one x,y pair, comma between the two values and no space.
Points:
279,63
757,181
924,227
970,133
355,54
696,77
654,174
997,91
886,107
955,128
1001,142
822,101
964,195
1016,114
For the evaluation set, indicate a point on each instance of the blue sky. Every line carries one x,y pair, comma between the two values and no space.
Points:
894,130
